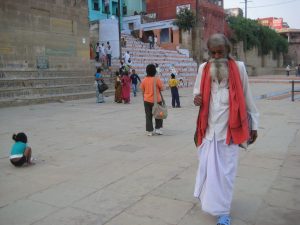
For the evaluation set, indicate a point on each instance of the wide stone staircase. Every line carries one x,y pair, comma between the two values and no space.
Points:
25,87
20,87
141,56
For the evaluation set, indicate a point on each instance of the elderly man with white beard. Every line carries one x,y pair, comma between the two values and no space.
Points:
222,92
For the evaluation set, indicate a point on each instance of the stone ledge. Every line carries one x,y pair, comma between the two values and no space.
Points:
33,100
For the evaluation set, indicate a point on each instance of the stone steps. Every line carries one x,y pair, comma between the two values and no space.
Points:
42,82
154,51
35,87
47,90
37,99
141,56
20,74
165,60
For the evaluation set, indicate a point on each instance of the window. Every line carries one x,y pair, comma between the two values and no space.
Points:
164,35
131,26
96,5
114,8
217,2
124,9
105,6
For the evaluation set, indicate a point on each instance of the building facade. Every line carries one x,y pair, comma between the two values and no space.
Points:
104,9
234,12
273,23
293,38
211,12
102,13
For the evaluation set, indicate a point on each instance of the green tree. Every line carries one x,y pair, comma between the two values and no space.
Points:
244,30
280,46
253,34
185,19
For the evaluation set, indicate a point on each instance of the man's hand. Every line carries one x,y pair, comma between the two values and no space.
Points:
198,100
253,136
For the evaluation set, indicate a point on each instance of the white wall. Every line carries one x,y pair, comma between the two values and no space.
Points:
109,31
136,20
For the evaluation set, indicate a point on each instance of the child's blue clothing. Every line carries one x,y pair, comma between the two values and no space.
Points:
17,150
98,75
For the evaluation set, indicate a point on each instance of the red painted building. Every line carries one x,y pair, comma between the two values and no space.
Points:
211,11
275,23
166,9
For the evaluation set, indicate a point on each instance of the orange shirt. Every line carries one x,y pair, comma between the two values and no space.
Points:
148,89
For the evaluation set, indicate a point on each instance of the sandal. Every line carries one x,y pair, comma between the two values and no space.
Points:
224,220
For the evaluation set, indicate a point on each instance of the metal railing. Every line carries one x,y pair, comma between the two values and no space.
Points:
293,89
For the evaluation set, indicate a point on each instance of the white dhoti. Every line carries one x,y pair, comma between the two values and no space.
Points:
215,176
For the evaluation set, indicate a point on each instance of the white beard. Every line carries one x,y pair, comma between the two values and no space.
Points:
218,69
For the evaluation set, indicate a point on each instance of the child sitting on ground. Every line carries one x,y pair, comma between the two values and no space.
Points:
20,152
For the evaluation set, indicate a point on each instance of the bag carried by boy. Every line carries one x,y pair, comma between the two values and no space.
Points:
159,111
102,86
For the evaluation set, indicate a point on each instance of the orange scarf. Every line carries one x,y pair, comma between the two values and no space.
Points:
237,131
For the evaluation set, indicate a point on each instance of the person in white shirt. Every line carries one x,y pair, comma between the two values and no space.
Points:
102,54
126,57
288,69
108,55
155,41
158,72
222,92
151,42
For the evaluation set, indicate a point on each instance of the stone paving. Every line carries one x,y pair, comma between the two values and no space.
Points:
96,166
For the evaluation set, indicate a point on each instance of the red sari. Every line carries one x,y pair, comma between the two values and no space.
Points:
126,88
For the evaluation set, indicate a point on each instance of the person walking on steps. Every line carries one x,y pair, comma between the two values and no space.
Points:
222,92
108,55
126,57
151,42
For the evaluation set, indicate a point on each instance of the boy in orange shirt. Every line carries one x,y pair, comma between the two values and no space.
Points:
147,87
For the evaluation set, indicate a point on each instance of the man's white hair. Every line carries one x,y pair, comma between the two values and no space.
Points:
219,39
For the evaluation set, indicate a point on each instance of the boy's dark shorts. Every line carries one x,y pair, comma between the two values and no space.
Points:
20,162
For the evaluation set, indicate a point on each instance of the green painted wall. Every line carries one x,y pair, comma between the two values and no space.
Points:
134,5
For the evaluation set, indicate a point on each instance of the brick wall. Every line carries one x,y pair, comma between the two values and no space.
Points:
212,15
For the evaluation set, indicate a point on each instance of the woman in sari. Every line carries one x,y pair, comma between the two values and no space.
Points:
118,88
125,80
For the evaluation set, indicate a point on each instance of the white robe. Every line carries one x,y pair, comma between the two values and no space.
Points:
215,176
